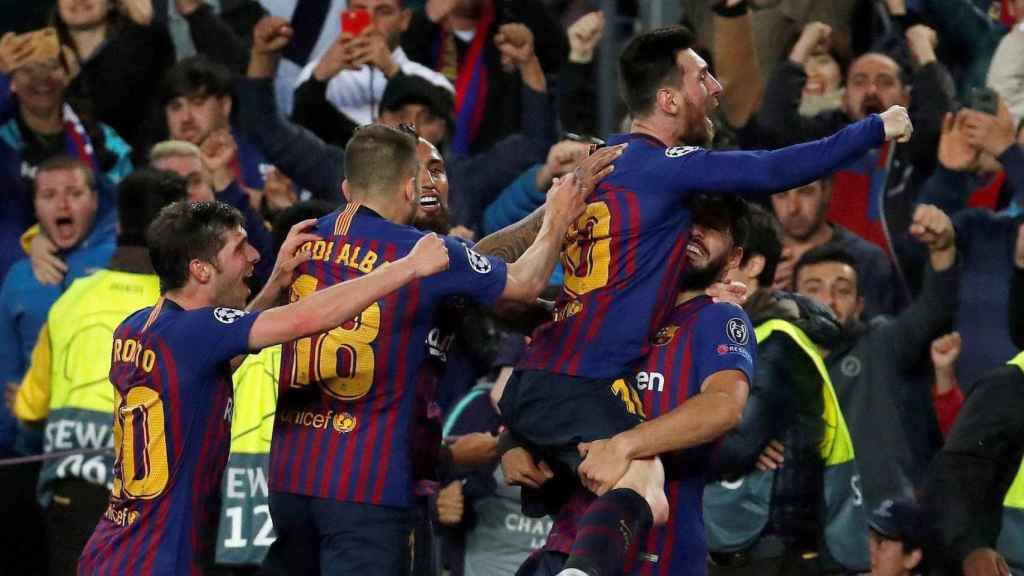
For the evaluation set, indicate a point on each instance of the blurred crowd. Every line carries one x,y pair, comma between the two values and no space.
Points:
252,103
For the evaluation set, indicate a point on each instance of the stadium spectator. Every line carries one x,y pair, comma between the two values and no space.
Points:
897,539
576,78
319,168
1006,72
185,160
65,202
197,103
887,406
804,227
355,71
222,35
120,54
946,394
479,45
807,515
66,385
873,190
406,100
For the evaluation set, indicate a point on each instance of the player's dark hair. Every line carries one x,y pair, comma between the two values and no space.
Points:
186,231
723,212
63,162
140,197
379,158
649,62
828,252
195,76
296,213
764,238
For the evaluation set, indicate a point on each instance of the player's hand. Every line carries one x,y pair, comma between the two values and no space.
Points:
933,228
731,292
993,134
955,150
463,232
476,449
451,504
520,469
985,562
897,124
945,350
47,267
565,202
596,167
772,457
15,50
293,252
271,35
429,256
815,37
584,36
605,463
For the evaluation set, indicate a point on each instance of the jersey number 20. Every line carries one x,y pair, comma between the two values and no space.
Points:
340,361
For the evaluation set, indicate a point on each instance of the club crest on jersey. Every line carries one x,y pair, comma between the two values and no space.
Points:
478,262
736,330
665,335
344,423
228,315
680,151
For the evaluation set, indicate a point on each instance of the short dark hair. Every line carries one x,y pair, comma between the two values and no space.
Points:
828,252
296,213
723,212
764,239
140,197
185,231
379,157
195,75
647,63
63,162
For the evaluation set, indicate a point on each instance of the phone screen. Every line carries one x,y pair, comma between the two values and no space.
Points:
353,22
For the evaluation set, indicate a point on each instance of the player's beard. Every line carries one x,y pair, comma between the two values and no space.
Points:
700,278
436,222
699,130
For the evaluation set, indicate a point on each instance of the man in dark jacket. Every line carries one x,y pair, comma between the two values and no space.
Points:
890,413
772,520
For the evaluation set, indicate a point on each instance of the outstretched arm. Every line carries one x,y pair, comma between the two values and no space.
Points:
760,173
331,307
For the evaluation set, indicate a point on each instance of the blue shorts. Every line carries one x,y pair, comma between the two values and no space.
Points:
317,536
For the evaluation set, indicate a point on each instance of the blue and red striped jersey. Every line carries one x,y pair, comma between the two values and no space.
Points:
698,339
347,407
623,256
171,374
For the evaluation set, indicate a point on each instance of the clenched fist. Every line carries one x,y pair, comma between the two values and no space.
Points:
429,256
897,124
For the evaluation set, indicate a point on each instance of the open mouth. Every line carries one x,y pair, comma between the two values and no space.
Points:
695,249
872,107
430,202
65,228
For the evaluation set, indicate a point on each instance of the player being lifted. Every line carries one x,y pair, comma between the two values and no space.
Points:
171,372
622,262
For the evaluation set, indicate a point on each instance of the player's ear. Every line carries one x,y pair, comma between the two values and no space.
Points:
754,266
735,258
668,101
412,190
344,190
199,270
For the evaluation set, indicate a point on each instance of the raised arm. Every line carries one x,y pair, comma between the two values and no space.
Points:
333,306
758,174
528,276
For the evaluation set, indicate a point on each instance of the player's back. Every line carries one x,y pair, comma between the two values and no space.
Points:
622,260
342,429
172,385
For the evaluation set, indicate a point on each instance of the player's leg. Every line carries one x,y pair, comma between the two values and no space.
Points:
619,519
362,539
296,548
